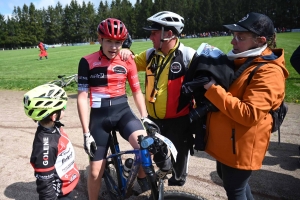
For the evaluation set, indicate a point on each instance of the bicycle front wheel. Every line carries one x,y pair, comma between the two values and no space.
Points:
174,193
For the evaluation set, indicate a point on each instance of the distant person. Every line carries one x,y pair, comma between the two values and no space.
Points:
128,42
53,156
43,50
238,135
295,60
102,75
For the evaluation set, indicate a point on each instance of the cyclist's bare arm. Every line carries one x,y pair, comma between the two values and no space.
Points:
140,103
83,110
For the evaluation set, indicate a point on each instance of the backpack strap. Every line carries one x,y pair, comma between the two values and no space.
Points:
242,68
253,72
248,81
151,55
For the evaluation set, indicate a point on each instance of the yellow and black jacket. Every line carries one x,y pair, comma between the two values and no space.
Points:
164,77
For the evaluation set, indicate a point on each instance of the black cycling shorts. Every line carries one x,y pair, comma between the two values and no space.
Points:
104,119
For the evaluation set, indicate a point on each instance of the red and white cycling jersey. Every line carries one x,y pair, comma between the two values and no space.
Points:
53,160
105,78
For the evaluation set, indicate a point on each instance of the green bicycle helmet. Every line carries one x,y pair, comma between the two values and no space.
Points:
43,100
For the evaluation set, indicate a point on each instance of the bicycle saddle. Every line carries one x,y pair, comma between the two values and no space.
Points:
110,123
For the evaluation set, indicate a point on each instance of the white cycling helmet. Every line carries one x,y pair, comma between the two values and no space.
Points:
168,20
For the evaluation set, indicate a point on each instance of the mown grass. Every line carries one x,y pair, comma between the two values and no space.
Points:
21,69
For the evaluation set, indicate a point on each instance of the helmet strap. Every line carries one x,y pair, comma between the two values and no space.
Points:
162,39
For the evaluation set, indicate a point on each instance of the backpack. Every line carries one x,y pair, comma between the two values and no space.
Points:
278,115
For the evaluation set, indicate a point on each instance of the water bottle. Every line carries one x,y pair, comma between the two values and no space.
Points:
127,167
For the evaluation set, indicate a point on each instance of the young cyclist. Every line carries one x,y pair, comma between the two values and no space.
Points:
53,156
103,75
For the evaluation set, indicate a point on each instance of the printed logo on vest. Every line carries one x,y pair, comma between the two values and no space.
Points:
119,70
175,67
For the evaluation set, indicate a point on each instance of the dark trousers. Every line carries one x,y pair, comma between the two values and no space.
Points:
69,196
235,182
177,130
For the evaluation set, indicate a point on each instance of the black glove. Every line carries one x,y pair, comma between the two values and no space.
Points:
202,109
198,82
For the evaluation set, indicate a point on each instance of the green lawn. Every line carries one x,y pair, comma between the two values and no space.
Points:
21,69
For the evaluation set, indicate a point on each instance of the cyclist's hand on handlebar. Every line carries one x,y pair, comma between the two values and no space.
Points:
150,126
89,144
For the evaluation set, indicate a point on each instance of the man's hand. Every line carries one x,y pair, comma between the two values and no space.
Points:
125,54
89,144
198,82
210,83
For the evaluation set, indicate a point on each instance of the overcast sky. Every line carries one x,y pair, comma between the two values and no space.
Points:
7,6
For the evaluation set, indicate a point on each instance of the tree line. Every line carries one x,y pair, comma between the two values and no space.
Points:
76,22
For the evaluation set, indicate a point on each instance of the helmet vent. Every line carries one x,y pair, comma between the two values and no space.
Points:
50,92
30,112
171,19
48,103
38,103
57,93
58,104
42,112
42,95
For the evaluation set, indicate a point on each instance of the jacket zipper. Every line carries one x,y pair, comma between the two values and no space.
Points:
233,140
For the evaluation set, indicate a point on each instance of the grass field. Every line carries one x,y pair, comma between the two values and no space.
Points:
21,69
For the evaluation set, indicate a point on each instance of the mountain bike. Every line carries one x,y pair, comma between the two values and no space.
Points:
64,80
120,187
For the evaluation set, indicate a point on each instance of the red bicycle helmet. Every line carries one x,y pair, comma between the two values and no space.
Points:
112,28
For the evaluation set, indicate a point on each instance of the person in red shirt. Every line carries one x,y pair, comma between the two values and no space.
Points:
43,51
102,75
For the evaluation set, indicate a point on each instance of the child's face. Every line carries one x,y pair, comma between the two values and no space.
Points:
110,47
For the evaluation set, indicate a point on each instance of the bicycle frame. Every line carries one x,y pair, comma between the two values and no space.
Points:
142,158
65,81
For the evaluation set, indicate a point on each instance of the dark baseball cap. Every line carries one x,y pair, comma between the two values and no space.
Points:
256,23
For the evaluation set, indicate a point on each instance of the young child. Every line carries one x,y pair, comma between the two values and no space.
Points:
53,156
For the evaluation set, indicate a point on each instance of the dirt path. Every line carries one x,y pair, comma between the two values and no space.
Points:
279,177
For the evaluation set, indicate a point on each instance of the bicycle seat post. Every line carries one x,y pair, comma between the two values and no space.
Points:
114,137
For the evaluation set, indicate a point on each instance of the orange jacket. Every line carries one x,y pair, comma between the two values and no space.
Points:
239,134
